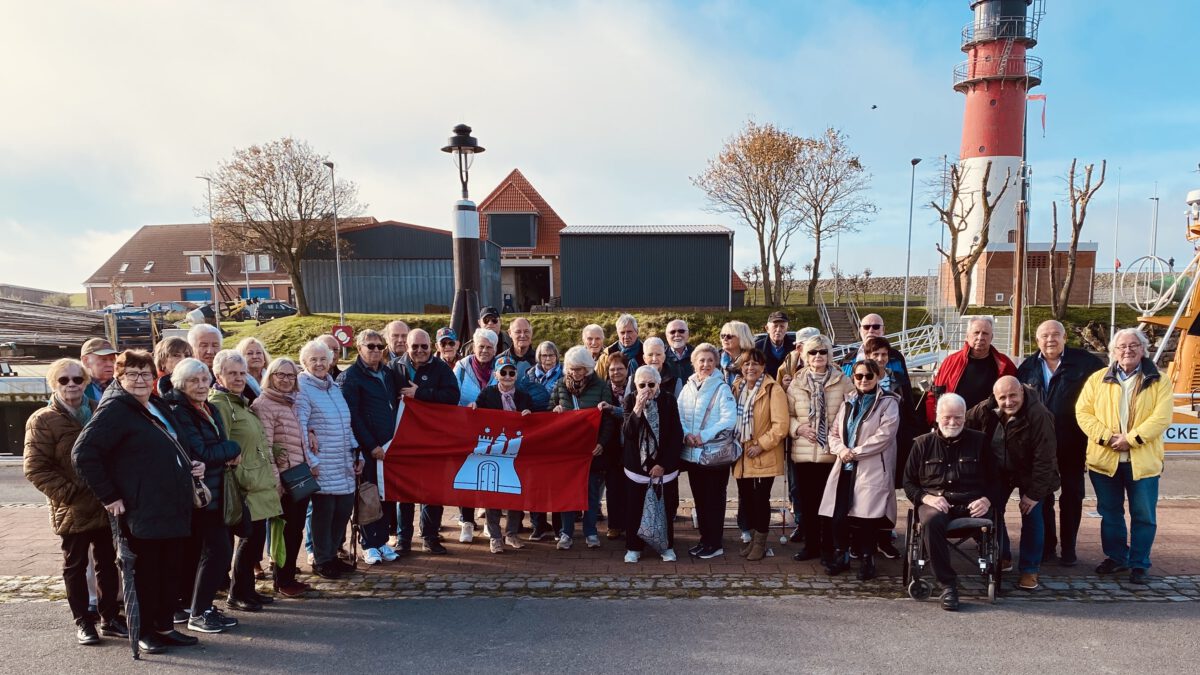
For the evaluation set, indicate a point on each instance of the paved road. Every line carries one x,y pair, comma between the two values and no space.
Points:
742,635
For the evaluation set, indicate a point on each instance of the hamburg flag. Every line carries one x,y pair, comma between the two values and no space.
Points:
446,454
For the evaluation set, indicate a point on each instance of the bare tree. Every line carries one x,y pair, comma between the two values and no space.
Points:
751,274
961,203
1079,198
787,281
829,196
276,198
753,178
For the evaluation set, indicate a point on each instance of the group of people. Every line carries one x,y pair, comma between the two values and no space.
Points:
184,448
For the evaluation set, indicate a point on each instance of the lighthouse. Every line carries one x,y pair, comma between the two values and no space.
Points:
995,78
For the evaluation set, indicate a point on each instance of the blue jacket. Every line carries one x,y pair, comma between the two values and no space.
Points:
322,409
371,397
469,387
1059,397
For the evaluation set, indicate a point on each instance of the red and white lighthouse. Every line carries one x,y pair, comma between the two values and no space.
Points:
996,77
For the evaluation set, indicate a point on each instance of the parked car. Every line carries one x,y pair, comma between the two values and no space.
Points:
272,309
171,307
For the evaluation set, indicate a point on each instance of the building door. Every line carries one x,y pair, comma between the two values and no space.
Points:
531,287
489,477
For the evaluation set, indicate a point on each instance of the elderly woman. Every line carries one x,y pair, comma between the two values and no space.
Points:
621,384
322,412
814,399
548,370
654,351
75,513
504,395
1124,410
206,340
580,388
167,353
276,407
736,340
129,456
210,550
474,373
257,358
706,408
860,493
762,428
652,440
255,473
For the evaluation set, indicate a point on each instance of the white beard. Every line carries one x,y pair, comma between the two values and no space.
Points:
951,433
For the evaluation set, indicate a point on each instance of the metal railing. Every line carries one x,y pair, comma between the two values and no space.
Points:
1015,68
921,346
826,322
1023,28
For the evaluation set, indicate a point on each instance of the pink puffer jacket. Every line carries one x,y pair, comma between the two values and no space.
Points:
279,420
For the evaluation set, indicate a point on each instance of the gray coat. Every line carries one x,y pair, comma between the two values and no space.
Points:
875,451
322,410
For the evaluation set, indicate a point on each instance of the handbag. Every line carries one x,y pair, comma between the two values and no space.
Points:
298,481
369,508
233,498
653,528
201,495
724,448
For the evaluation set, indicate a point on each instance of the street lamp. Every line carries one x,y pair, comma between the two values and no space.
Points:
337,249
908,258
212,242
465,308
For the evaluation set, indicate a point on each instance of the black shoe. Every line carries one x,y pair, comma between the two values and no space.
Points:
838,564
1110,566
327,571
176,639
243,605
1049,557
1139,576
710,552
806,554
205,623
342,566
85,633
433,546
867,571
1068,559
261,599
889,550
181,616
152,644
115,628
950,598
695,550
797,536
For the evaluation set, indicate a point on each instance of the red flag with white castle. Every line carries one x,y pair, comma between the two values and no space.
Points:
446,454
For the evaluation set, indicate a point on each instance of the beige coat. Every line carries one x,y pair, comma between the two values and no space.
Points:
799,398
875,452
770,410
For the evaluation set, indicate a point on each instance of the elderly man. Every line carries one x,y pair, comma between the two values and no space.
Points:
396,333
99,359
948,476
1020,431
679,352
971,371
872,326
489,318
593,340
205,340
1058,372
1124,410
525,358
627,341
447,346
776,344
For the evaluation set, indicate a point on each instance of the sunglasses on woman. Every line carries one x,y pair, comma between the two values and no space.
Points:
508,373
375,347
864,376
62,381
646,385
726,336
818,352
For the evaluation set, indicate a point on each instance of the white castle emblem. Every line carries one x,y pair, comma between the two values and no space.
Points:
491,467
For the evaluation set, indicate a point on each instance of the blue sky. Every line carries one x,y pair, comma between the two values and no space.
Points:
607,107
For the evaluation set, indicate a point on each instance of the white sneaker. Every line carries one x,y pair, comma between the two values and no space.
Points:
389,554
593,541
495,546
311,560
468,533
372,556
632,556
669,555
513,541
747,535
564,542
487,531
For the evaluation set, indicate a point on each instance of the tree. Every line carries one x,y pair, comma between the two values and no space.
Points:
961,204
754,178
829,196
1079,198
276,198
751,275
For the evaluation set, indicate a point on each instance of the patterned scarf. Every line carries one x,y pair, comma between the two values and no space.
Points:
82,414
482,371
816,406
574,387
745,410
547,378
648,444
858,410
618,391
506,400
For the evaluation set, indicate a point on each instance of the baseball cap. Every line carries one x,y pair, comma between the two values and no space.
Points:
489,311
446,334
505,360
97,346
806,333
777,317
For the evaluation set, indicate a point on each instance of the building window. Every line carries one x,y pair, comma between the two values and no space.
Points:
1039,260
149,266
256,263
513,230
196,264
124,268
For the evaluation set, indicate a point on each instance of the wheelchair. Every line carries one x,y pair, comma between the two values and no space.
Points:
960,532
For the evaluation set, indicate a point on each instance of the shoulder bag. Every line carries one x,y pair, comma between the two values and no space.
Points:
298,481
724,448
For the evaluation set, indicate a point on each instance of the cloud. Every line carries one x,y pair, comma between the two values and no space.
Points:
31,258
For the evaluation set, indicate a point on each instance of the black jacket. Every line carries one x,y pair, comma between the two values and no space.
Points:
958,469
670,442
764,345
205,441
1066,383
490,398
372,402
1028,460
125,453
435,382
681,368
638,356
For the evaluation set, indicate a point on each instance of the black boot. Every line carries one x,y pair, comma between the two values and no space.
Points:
837,564
950,598
866,571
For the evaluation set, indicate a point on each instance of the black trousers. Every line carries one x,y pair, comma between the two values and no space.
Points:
75,549
810,486
933,535
860,535
709,489
246,555
156,579
1070,506
293,534
635,500
754,502
616,489
211,536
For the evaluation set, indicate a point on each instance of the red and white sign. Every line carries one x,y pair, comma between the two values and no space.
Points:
343,334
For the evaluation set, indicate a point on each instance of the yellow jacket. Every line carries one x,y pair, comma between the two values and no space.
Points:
1097,411
770,409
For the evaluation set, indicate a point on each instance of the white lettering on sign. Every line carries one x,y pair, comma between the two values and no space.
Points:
1182,433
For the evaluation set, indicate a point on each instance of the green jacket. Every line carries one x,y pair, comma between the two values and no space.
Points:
256,473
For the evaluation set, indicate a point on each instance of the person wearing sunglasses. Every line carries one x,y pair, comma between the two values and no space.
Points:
678,351
130,457
859,497
815,396
736,340
77,516
762,427
504,395
879,350
971,371
896,377
652,441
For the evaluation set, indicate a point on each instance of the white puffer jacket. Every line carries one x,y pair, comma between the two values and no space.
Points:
322,410
693,404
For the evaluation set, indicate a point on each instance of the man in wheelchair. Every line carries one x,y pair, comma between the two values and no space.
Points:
948,476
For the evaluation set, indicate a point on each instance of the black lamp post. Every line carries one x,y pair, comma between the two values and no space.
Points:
465,310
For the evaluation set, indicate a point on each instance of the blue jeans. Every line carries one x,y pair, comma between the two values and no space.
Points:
595,487
1133,550
431,521
1033,534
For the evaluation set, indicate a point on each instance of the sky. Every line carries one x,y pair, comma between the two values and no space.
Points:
110,110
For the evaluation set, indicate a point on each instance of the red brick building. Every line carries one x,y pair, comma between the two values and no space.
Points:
526,227
992,282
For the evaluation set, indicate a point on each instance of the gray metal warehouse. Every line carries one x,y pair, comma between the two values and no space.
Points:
648,266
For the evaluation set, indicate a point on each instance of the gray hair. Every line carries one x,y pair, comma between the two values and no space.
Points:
579,357
419,331
367,334
547,347
484,334
276,365
654,341
1051,322
313,348
1112,344
199,330
246,342
950,398
818,341
626,320
592,328
986,319
226,356
705,347
650,372
189,368
805,334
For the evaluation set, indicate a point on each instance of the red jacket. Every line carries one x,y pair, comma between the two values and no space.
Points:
951,371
